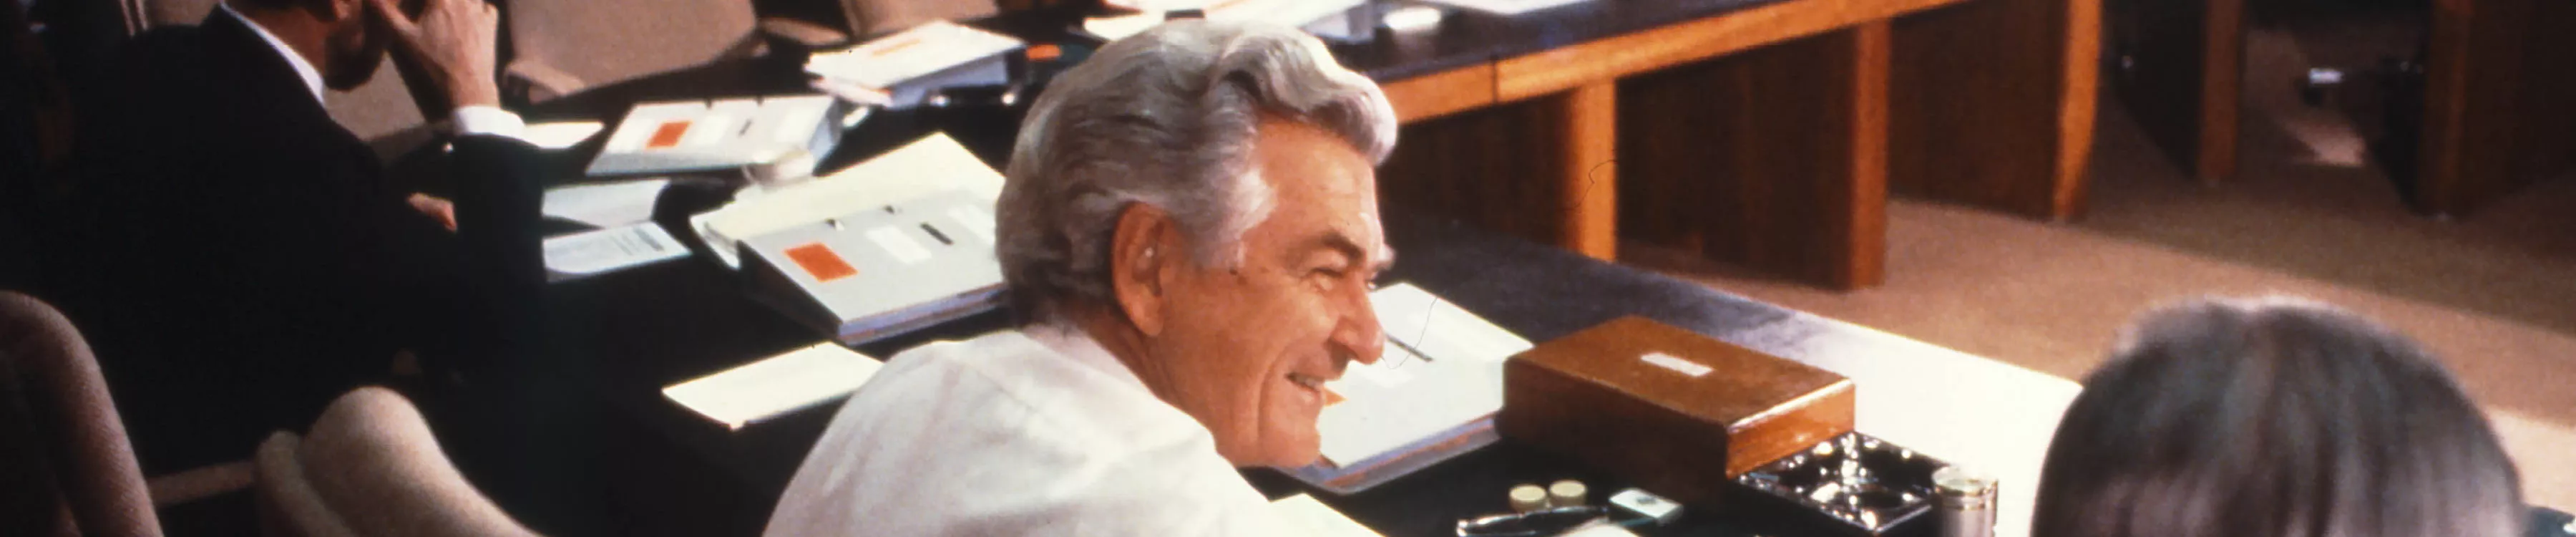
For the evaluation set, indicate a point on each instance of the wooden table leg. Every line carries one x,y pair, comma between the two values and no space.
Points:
1588,181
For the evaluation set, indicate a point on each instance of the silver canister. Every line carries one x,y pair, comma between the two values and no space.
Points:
1965,500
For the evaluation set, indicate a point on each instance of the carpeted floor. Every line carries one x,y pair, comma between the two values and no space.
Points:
2493,293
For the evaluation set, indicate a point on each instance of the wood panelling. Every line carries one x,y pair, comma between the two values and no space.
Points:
1773,157
1563,68
2497,90
1979,120
1443,93
1494,167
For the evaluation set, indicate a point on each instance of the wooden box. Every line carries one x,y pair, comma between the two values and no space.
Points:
1678,413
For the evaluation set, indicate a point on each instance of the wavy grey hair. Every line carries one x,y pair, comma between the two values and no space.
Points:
2273,418
1165,118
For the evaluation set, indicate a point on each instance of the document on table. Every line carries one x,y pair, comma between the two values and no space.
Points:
1506,7
925,167
597,251
1307,516
920,52
775,385
609,204
1445,370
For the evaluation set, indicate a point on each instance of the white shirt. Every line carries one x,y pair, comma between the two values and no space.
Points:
476,119
1036,432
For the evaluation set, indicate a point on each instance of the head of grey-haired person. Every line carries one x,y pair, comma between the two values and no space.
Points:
2274,418
1188,228
1201,201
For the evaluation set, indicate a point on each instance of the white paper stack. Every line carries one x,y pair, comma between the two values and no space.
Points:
775,385
687,136
909,65
931,165
1331,20
1444,372
1506,7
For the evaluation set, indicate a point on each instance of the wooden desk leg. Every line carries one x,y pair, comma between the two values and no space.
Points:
1864,220
1588,182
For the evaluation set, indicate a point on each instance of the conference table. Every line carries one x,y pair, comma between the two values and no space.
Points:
677,473
672,472
664,323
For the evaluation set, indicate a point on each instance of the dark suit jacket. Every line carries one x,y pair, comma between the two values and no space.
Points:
243,260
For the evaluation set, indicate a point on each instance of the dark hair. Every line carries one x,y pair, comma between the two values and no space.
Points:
2273,418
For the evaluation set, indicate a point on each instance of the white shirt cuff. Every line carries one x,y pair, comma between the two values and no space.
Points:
490,120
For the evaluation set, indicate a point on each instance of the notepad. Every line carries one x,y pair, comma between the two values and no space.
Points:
1307,516
910,64
1444,371
597,251
925,167
776,385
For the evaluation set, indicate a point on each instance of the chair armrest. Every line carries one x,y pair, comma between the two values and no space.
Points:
540,81
201,483
807,34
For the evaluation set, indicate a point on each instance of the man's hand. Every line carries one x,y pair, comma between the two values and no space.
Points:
437,208
451,44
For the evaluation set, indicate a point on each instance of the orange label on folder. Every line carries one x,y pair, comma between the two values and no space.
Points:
668,134
819,261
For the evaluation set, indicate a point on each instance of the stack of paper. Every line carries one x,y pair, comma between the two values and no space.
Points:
685,136
1328,19
1444,371
906,67
1506,7
776,385
925,167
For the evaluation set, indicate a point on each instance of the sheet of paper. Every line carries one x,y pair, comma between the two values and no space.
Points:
1116,28
1506,7
608,204
1284,12
931,165
929,48
1306,516
1456,377
597,251
1439,329
775,385
560,134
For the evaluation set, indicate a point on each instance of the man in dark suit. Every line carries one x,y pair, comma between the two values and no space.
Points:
241,258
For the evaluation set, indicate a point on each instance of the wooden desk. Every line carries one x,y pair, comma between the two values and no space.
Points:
2496,112
1767,133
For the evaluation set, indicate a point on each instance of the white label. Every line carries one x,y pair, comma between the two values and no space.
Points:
903,248
1676,364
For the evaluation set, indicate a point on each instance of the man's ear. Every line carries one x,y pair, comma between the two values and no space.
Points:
1143,256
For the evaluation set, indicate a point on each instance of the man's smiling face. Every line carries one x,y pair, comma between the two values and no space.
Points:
1252,345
